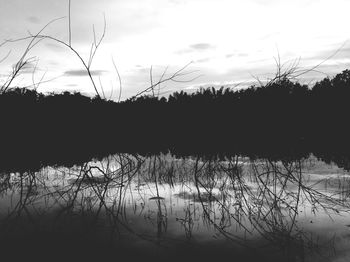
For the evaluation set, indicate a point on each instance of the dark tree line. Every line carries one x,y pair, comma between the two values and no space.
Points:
281,119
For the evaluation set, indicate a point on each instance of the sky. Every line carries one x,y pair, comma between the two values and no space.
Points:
227,43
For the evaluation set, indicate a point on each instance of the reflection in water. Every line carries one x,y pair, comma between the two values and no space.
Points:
164,207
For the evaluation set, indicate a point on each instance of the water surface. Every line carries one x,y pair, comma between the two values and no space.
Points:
162,207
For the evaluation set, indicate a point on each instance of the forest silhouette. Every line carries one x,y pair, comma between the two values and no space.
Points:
278,120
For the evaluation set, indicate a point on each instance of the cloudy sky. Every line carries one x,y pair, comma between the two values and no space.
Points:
229,42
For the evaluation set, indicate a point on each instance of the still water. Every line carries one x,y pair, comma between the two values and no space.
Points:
168,208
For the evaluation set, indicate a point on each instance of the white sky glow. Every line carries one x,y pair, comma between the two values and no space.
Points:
229,41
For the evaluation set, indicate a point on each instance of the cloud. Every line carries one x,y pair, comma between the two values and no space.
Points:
262,60
183,51
327,61
176,2
267,2
203,60
28,68
237,55
202,46
332,54
196,47
33,19
270,35
53,62
54,46
83,72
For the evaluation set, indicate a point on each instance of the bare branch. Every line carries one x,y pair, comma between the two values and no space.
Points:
5,57
312,69
69,24
101,86
151,78
34,40
119,78
173,78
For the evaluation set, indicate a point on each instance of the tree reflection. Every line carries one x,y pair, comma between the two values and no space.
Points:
133,197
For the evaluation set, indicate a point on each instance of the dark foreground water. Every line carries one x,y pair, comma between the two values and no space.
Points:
163,208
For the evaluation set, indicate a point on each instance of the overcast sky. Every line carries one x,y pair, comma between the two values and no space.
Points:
228,41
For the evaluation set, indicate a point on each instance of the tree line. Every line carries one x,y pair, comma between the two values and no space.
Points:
280,119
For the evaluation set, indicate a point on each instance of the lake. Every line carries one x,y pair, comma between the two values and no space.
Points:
163,207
